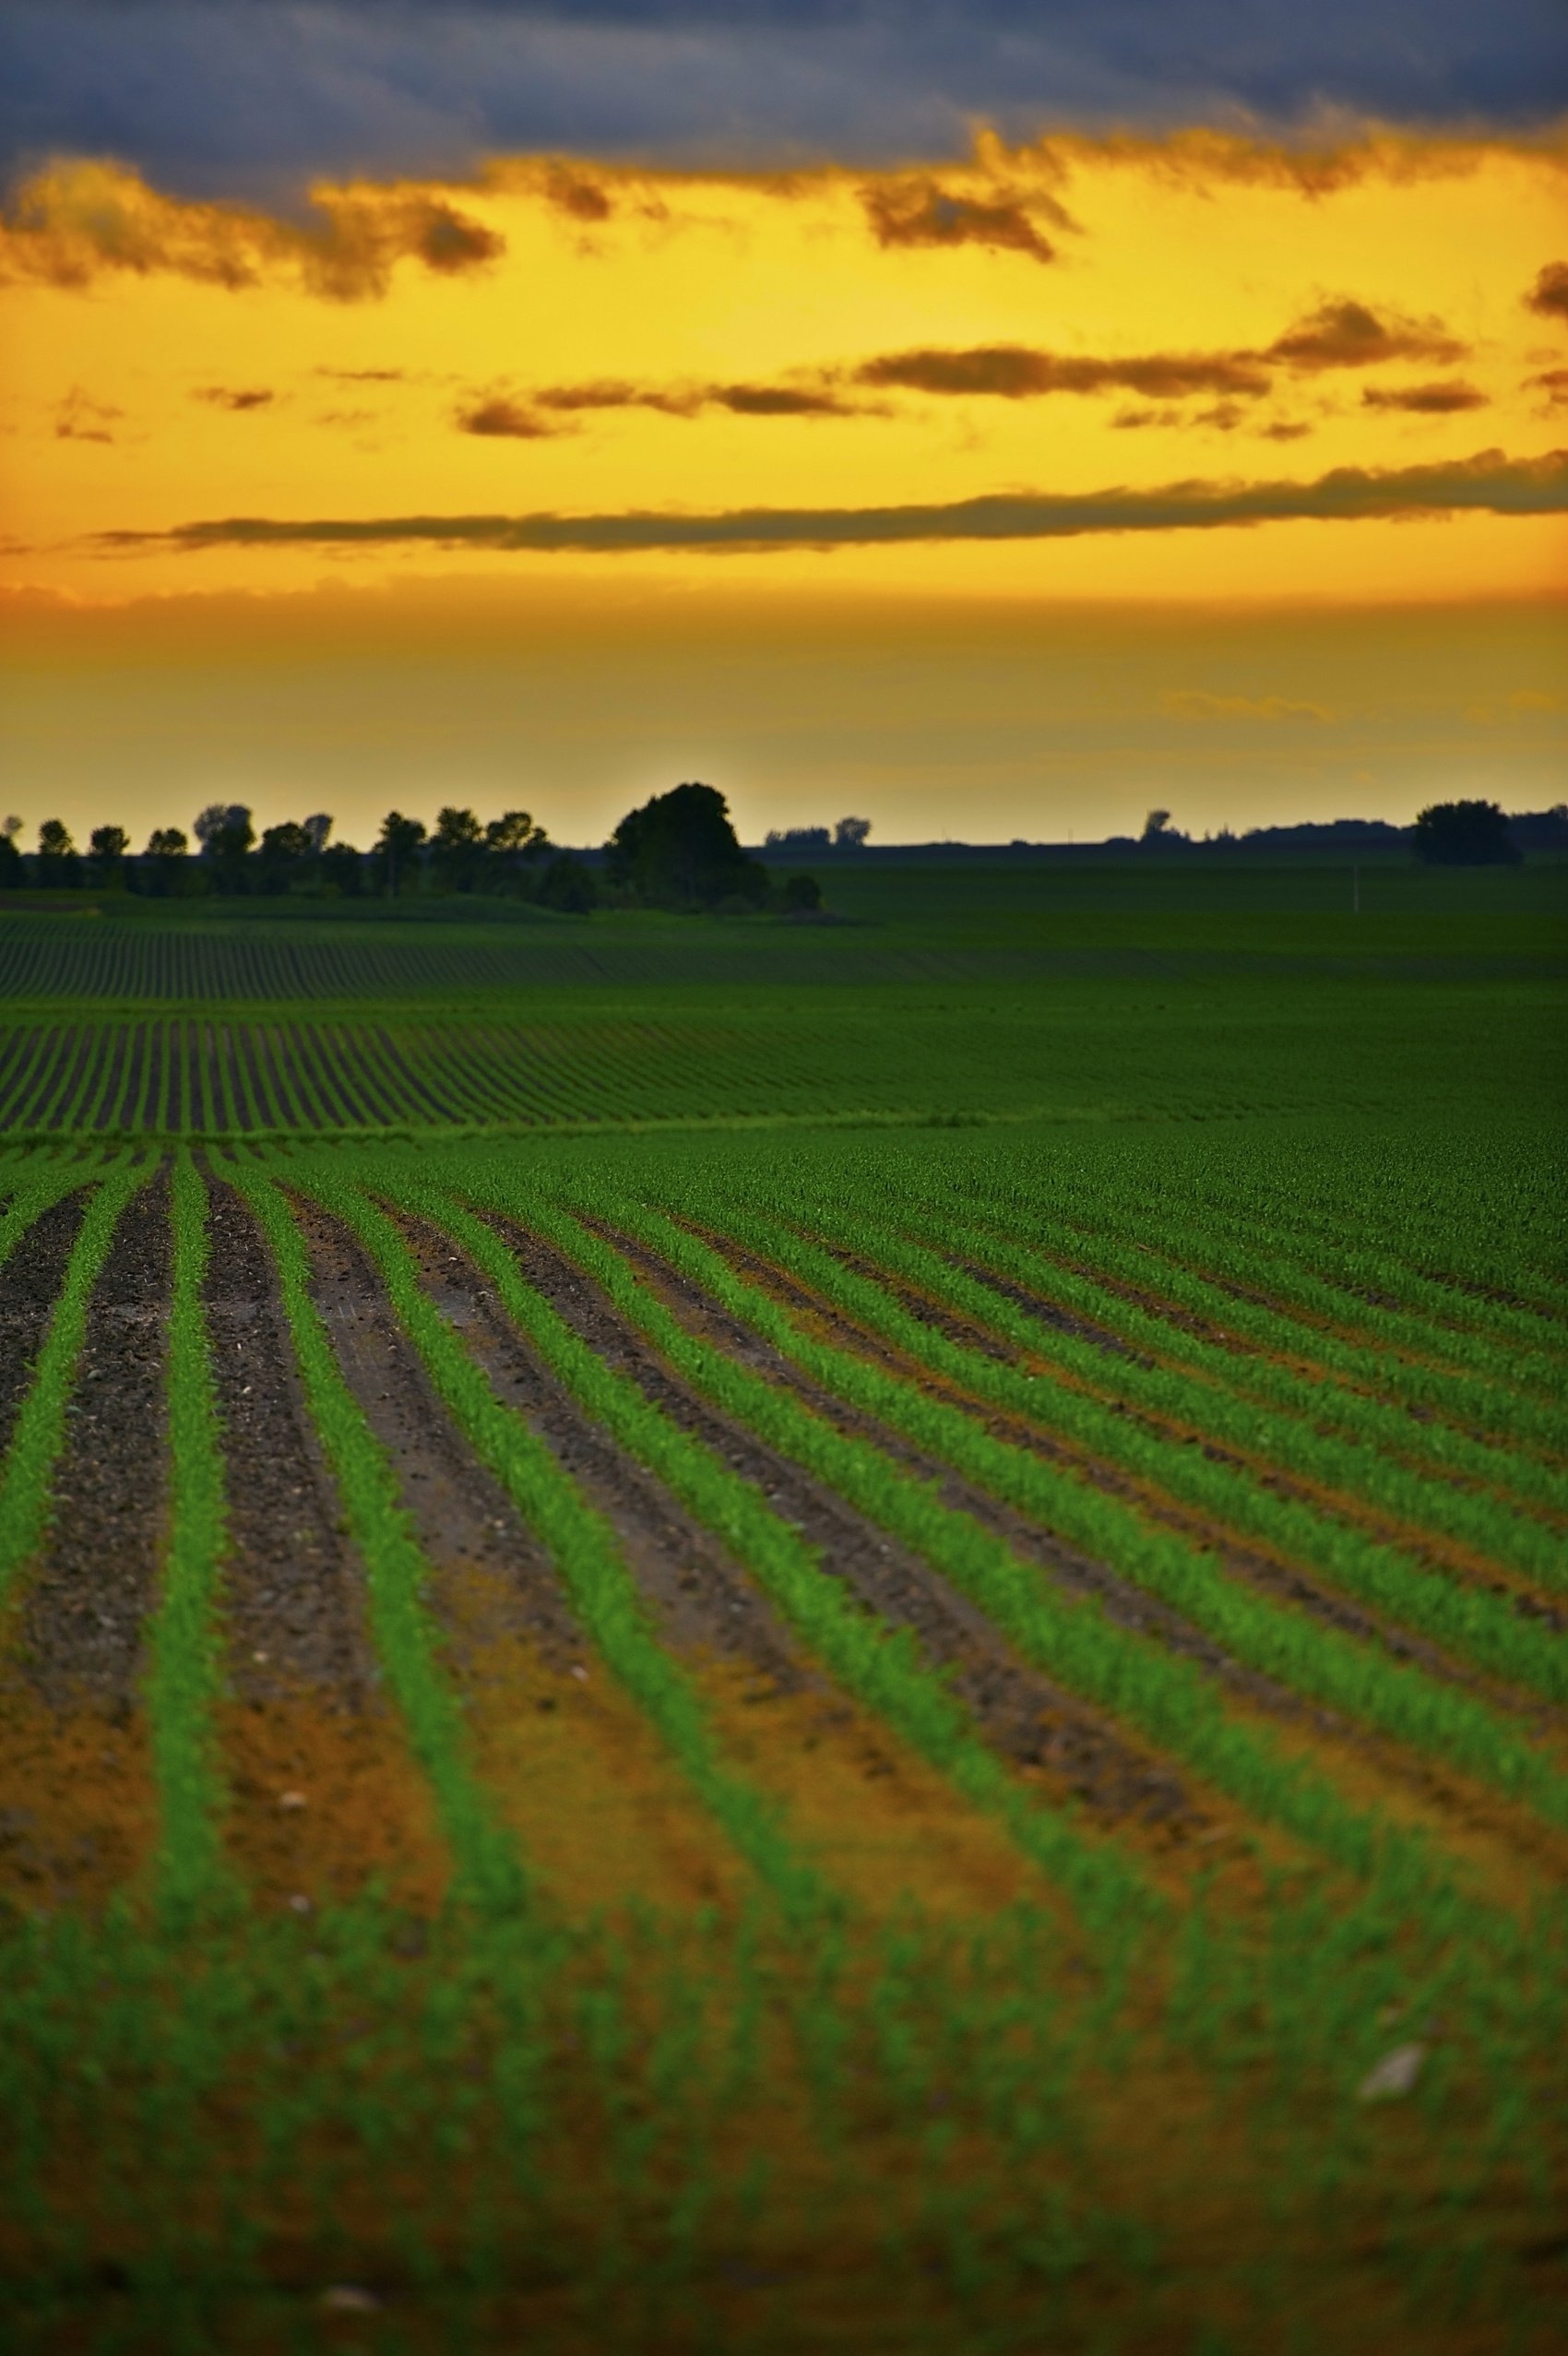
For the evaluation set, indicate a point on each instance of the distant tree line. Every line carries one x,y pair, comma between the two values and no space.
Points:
677,850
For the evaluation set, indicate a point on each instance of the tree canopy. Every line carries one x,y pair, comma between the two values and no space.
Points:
1465,834
680,850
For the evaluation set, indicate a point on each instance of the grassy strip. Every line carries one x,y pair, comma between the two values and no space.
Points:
1472,1621
881,1670
1077,1645
190,1870
588,1555
1313,1660
39,1433
489,1871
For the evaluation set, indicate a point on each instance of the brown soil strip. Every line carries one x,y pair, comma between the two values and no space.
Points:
601,1812
701,1599
324,1791
81,1615
1015,1710
293,1590
1254,1566
31,1284
78,1814
1471,1816
76,1806
878,1821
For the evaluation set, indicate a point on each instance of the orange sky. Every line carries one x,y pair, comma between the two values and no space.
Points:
261,479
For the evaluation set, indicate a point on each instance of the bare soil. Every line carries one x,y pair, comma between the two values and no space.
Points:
1018,1711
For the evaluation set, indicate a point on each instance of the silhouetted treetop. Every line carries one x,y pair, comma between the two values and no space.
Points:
680,850
1464,834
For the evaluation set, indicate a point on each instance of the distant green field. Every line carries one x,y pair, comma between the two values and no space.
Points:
946,994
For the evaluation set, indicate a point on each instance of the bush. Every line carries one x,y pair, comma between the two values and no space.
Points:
801,892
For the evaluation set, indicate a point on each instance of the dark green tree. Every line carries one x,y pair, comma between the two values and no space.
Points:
282,859
59,868
1464,834
165,870
226,836
801,893
397,852
513,847
342,870
567,884
679,851
108,846
456,849
13,873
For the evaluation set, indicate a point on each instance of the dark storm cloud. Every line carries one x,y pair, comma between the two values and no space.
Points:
215,96
1488,484
1442,399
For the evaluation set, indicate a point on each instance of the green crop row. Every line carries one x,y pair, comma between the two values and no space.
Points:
878,1666
1252,1256
1361,1416
587,1553
489,1871
1154,1260
185,1677
27,1474
1075,1644
1316,1661
1473,1622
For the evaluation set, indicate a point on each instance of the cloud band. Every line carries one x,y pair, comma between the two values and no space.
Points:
1488,484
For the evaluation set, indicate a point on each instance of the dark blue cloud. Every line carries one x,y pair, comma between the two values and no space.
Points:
232,96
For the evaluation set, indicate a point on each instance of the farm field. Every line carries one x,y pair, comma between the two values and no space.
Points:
844,1637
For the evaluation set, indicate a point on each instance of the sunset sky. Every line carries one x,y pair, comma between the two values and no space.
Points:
993,422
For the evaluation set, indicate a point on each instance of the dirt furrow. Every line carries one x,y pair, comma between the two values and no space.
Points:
76,1789
82,1613
324,1791
1269,1574
28,1289
1018,1711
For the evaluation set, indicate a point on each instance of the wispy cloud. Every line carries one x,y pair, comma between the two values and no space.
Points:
1014,372
77,222
921,212
1548,295
1346,334
1445,398
234,398
499,419
1196,703
80,418
1489,483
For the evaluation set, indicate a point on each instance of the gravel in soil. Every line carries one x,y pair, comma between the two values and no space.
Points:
1017,1711
464,1520
293,1588
700,1595
81,1619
